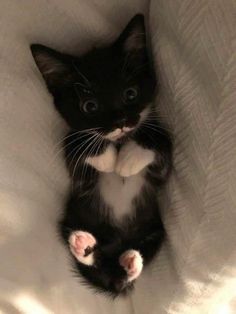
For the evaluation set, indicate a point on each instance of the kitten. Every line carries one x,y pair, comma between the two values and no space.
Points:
118,155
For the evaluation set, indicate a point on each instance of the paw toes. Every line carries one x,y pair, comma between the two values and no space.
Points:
81,245
132,262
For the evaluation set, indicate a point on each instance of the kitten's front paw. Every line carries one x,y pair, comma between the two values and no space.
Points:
104,162
132,262
132,159
81,245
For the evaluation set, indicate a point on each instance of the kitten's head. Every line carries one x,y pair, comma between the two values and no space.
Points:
108,89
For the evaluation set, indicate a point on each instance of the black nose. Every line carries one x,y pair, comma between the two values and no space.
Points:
120,122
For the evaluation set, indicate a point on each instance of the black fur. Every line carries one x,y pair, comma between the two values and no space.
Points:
102,75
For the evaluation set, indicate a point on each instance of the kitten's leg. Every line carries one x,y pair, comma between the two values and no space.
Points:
82,245
133,158
104,162
148,243
145,243
89,150
150,147
132,262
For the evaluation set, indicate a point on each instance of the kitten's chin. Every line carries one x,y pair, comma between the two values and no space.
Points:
118,133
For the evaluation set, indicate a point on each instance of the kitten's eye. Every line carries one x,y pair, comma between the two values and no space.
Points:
90,106
87,91
130,94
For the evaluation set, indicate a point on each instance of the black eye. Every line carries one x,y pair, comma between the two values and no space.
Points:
87,91
130,94
90,106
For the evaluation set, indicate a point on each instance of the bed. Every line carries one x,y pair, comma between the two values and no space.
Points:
193,46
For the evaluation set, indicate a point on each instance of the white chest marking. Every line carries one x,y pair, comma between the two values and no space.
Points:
119,193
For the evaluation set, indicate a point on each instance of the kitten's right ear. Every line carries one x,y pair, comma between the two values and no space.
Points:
133,38
51,64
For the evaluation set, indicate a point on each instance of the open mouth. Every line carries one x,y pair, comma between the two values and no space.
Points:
119,133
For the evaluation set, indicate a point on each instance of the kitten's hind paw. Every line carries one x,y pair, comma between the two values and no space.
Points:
82,245
132,262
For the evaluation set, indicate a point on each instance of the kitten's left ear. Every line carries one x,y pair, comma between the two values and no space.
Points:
52,65
133,38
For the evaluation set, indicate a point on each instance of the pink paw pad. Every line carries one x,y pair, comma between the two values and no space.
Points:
132,262
81,246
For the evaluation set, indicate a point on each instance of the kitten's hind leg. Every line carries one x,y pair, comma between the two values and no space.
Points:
82,245
132,262
144,247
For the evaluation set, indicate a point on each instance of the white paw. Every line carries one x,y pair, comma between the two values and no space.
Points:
132,159
132,262
104,162
81,245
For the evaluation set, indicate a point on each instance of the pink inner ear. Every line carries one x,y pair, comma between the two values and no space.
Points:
136,40
48,64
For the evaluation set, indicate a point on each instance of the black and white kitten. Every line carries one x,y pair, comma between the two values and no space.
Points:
117,152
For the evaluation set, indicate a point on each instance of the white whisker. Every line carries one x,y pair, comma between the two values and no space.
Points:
91,151
75,133
70,143
80,147
94,137
153,129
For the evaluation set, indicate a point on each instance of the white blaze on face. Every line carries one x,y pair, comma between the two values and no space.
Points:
127,129
120,132
114,135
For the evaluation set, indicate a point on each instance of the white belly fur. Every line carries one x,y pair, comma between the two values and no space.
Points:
118,193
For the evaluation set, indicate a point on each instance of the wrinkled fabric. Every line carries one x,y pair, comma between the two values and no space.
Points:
194,46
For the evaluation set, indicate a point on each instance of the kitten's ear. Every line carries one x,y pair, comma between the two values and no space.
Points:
133,38
51,64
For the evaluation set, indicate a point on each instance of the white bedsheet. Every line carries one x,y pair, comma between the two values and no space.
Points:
194,46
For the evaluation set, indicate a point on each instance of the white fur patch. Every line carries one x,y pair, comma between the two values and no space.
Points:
114,135
120,132
127,129
104,162
118,193
132,159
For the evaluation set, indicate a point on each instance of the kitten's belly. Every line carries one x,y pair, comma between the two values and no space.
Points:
118,193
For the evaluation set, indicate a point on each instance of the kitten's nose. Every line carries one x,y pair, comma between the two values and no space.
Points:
121,122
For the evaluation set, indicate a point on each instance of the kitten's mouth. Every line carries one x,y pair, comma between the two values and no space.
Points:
119,133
